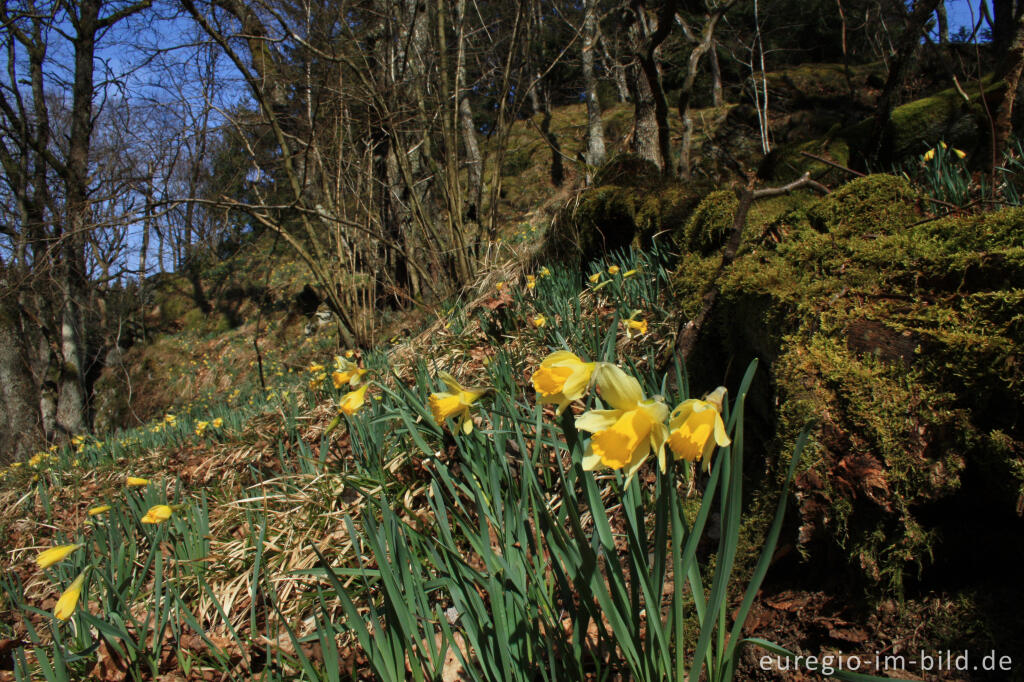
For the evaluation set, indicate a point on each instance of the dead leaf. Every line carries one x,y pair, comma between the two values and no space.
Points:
110,667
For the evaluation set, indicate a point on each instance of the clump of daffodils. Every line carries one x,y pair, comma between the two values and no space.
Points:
634,427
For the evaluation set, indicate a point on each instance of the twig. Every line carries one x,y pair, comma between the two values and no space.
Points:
833,164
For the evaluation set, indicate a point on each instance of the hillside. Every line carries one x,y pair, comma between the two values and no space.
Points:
435,516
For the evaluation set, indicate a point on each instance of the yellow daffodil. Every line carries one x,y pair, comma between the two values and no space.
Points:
314,368
349,354
157,514
562,378
55,555
77,440
544,272
696,426
353,400
347,373
200,427
595,277
539,321
170,419
96,511
613,269
930,154
531,282
217,423
69,599
499,286
624,436
134,482
455,402
635,327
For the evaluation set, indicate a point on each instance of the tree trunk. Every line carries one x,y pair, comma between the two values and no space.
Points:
878,144
474,160
705,44
943,21
557,167
595,127
19,418
1005,16
72,416
1004,116
717,98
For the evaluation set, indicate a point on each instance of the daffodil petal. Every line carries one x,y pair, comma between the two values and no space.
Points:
449,381
618,389
577,382
597,420
721,437
69,599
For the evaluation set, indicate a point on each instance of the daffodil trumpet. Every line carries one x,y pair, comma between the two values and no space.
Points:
626,435
562,378
696,427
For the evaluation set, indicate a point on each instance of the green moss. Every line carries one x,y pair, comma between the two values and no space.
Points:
707,228
901,343
609,217
516,161
917,126
873,204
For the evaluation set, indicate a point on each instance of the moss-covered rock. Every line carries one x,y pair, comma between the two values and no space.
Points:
873,204
706,230
611,216
919,125
901,341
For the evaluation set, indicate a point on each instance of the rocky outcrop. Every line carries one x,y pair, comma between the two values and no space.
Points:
899,338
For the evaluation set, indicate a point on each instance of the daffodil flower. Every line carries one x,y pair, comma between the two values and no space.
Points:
562,378
157,514
217,423
136,482
539,321
200,427
456,401
613,269
55,555
624,436
696,426
635,327
353,400
544,272
347,372
314,368
595,277
69,599
930,154
531,282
